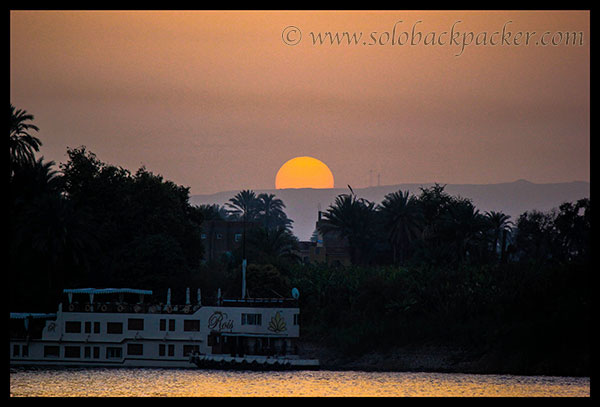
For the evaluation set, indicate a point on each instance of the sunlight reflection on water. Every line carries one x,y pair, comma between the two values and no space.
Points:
122,382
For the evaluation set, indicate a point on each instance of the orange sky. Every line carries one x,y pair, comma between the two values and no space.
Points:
217,101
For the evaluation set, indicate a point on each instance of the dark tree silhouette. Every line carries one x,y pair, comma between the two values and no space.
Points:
271,213
463,227
50,237
535,236
352,218
213,212
403,221
500,225
271,245
22,143
573,227
245,205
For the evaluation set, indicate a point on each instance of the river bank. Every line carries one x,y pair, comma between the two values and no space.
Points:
447,359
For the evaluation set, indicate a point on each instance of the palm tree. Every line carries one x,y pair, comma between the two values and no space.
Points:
535,235
47,229
213,212
351,218
21,143
270,212
463,226
500,226
244,205
433,202
267,245
62,235
30,181
402,219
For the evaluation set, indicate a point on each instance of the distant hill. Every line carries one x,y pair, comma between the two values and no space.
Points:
512,198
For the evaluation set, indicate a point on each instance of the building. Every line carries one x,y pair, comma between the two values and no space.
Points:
221,237
330,248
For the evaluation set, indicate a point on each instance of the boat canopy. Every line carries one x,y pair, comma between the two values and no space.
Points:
105,291
25,315
93,291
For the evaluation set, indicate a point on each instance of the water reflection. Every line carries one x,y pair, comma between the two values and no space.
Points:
198,383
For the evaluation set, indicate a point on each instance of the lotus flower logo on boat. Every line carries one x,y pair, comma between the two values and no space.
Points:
277,323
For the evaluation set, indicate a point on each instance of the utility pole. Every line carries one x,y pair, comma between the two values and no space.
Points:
244,259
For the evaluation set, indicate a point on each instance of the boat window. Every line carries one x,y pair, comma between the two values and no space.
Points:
96,327
135,324
161,349
96,352
171,350
171,324
113,353
25,350
86,352
163,325
72,352
114,327
136,349
51,351
251,319
73,327
191,325
88,327
16,349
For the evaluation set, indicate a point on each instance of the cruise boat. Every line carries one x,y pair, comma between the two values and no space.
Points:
105,327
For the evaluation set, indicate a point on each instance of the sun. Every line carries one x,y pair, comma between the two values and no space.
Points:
304,172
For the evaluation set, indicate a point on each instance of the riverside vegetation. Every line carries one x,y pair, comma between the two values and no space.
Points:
428,270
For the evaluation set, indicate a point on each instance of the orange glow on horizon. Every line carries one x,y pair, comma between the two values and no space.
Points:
304,172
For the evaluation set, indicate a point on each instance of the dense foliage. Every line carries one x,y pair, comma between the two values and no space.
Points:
427,268
94,224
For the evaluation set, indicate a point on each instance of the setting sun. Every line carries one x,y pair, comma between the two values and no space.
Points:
304,172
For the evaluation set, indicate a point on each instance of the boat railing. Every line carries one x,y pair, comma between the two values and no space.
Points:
160,308
260,302
122,307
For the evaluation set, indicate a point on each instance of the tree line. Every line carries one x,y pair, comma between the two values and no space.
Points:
426,268
435,227
89,223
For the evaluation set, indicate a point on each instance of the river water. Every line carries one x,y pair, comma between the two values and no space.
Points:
130,382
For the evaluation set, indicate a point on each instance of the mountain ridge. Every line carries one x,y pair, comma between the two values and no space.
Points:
512,198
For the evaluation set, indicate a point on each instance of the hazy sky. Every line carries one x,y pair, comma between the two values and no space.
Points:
219,101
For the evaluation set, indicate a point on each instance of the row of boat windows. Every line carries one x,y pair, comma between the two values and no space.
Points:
111,352
137,324
133,324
